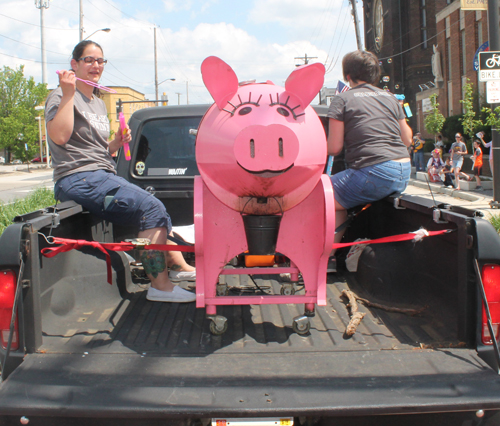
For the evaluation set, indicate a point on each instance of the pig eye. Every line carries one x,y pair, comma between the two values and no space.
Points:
284,109
283,112
245,111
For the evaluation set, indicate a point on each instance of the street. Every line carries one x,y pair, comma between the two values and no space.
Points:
16,182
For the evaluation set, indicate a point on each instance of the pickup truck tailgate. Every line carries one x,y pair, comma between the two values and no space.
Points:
217,385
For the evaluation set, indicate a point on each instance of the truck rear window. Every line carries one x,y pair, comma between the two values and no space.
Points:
166,148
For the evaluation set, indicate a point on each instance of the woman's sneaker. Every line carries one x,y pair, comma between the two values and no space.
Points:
177,276
479,188
177,295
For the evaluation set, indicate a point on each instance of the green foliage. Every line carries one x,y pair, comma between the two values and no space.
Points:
495,221
38,199
18,126
451,126
492,117
429,145
469,121
434,121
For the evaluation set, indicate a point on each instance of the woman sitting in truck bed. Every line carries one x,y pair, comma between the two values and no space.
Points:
370,124
84,171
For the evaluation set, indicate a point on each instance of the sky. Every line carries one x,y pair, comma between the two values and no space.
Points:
260,39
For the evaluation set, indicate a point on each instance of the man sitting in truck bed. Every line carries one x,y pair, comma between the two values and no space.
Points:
84,171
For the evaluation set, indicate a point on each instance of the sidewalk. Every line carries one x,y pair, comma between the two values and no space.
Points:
474,200
11,168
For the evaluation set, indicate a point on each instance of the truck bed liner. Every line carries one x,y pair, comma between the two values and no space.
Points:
136,325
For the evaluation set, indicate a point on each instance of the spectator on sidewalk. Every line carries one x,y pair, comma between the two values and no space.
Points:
435,166
447,171
489,145
418,152
458,150
478,163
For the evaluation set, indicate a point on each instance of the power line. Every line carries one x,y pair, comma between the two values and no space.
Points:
30,45
36,25
32,60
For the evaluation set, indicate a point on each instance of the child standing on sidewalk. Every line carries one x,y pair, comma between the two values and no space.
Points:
478,163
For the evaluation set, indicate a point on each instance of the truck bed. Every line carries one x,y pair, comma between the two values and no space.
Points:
136,325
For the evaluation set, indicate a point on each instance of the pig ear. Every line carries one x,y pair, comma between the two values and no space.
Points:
220,79
305,82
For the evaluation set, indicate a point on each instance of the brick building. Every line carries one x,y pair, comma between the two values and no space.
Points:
402,33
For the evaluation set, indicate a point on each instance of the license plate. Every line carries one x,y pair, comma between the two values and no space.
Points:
262,421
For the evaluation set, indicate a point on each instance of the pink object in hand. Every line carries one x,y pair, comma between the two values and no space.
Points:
261,151
91,83
123,128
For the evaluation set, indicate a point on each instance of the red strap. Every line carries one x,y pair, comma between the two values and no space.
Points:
391,239
67,245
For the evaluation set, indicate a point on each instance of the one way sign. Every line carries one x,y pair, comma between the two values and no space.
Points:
489,66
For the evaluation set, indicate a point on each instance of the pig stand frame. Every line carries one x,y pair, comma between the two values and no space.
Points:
305,237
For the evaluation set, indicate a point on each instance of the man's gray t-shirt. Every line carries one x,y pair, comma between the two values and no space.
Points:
460,146
87,148
372,134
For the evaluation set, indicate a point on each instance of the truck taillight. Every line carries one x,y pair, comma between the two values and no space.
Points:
491,282
8,281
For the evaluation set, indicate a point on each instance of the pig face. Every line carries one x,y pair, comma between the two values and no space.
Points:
261,148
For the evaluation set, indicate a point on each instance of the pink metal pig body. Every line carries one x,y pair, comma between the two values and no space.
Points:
261,151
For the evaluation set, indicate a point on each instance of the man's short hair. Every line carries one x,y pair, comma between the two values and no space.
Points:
361,65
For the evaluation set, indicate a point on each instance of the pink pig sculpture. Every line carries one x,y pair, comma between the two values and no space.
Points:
261,152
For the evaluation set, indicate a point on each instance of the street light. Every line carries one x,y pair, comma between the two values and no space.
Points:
168,79
106,30
157,84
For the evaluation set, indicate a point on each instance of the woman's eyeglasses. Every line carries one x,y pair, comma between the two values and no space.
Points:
91,60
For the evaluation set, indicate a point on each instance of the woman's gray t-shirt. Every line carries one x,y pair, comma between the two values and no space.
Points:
372,134
87,148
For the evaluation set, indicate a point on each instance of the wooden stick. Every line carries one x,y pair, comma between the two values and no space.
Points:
390,308
356,316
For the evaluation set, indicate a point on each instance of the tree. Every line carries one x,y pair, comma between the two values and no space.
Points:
18,126
469,118
434,121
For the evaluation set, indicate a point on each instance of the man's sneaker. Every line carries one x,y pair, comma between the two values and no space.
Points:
479,188
177,276
177,295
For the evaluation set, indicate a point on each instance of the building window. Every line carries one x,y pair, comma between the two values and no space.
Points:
423,14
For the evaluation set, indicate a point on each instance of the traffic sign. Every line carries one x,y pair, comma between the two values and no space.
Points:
493,92
489,66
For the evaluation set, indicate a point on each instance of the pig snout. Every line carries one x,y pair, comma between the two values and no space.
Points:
266,148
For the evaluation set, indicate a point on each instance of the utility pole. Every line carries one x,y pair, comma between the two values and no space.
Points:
187,93
178,98
81,21
156,68
354,12
42,5
305,58
494,36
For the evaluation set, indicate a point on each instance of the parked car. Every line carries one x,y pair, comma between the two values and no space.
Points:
37,159
17,162
2,160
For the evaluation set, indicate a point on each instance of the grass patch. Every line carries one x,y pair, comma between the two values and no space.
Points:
36,200
495,221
